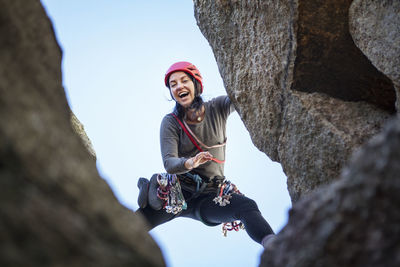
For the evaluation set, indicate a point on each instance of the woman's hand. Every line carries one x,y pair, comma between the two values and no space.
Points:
197,160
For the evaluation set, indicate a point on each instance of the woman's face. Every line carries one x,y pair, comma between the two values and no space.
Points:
182,88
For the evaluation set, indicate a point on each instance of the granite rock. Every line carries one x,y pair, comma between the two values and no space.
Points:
55,209
375,28
307,95
352,222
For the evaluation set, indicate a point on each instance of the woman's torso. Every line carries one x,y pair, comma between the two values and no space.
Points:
210,131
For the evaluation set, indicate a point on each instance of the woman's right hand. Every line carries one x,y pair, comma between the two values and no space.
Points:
196,161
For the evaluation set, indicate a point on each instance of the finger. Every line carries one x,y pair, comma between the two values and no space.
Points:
206,158
209,155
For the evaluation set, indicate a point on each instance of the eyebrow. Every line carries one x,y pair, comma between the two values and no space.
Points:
185,76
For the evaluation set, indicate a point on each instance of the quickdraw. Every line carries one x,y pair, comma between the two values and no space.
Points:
170,191
235,225
224,194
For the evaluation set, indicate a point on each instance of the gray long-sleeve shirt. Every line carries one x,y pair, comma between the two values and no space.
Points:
176,147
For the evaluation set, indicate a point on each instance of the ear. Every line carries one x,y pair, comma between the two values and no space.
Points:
198,88
172,96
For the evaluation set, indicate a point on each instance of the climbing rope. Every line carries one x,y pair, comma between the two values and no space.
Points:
196,178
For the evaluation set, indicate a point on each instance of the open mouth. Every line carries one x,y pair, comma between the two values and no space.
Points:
183,94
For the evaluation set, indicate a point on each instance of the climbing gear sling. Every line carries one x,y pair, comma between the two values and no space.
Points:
192,138
169,190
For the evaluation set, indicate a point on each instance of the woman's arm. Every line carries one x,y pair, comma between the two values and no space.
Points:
228,105
169,140
224,105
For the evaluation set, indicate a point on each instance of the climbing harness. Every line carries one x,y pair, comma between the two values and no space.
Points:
170,191
200,184
197,139
225,188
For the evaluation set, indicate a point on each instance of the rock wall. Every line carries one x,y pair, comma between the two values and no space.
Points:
80,131
55,210
352,222
375,28
310,99
308,96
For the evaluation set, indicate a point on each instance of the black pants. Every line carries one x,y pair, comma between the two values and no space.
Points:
204,209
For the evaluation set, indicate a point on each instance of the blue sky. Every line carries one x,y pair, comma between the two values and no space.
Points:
115,54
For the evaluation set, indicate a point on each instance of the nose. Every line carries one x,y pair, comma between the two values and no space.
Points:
179,85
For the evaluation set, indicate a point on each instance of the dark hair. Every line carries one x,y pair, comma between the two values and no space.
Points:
197,103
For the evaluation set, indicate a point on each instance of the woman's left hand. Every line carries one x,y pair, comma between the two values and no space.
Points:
199,159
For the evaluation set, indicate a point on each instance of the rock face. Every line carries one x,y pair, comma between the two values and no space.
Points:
352,222
80,130
310,99
314,95
55,210
375,28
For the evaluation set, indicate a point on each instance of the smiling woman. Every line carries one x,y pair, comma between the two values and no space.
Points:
186,85
206,195
182,88
115,57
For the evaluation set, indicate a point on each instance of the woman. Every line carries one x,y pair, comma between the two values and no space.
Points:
193,147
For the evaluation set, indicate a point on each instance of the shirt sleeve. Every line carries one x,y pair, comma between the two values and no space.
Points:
169,142
225,105
229,105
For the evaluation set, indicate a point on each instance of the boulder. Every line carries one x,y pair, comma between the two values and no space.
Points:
80,131
308,96
352,222
375,28
55,209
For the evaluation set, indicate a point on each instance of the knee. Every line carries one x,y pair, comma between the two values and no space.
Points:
247,209
248,205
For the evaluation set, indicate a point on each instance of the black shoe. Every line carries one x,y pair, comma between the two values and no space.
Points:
143,185
154,201
267,240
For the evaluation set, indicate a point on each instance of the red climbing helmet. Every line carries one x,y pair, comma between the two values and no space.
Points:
186,67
